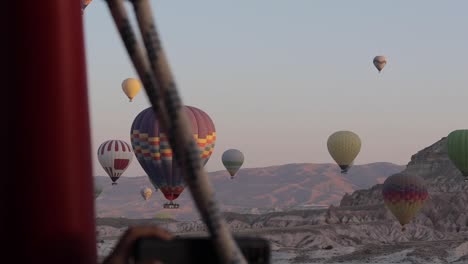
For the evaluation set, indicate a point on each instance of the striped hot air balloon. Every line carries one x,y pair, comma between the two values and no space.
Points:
154,154
115,156
404,195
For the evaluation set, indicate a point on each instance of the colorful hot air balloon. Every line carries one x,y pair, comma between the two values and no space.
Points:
131,87
404,195
154,154
380,62
344,146
146,193
232,160
115,156
457,148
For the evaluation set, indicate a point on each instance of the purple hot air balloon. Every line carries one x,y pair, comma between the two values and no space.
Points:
154,154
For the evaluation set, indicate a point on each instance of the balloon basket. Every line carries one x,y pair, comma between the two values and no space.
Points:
171,206
232,177
114,183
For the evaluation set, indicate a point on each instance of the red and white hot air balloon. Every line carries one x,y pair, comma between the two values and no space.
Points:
115,156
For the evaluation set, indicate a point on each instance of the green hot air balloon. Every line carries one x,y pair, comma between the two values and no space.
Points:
344,146
232,161
404,195
457,147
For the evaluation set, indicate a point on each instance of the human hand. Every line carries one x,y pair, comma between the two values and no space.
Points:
122,252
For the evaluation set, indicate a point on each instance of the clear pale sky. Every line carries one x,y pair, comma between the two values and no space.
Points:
278,77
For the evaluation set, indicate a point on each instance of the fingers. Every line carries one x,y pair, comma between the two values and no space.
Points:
123,249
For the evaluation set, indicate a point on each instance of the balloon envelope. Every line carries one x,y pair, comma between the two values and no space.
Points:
404,195
380,62
154,154
85,3
457,148
97,191
115,156
131,87
344,146
232,160
146,193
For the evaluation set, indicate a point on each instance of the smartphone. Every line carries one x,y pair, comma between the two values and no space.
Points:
197,250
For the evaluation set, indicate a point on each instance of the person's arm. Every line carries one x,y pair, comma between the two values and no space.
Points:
122,251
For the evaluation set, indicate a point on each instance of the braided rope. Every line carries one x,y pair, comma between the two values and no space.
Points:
153,69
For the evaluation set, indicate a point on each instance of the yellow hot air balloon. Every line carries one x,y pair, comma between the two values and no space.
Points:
344,146
131,87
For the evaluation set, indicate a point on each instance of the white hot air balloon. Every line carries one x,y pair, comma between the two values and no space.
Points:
380,62
146,193
115,156
232,160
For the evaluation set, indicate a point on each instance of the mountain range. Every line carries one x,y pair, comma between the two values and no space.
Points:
253,190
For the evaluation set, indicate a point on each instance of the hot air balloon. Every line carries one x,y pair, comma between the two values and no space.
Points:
131,87
457,148
115,156
344,146
232,160
84,4
154,154
380,62
404,195
97,191
146,193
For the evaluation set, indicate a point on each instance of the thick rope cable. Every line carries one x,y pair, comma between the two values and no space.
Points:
153,69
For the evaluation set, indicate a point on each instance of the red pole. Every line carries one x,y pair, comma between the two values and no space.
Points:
47,197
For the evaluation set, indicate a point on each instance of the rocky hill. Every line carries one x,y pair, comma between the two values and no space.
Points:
447,207
360,229
256,190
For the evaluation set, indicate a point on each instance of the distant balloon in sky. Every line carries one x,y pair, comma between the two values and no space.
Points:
344,146
84,4
146,193
115,156
404,195
232,160
131,87
380,62
457,148
154,153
